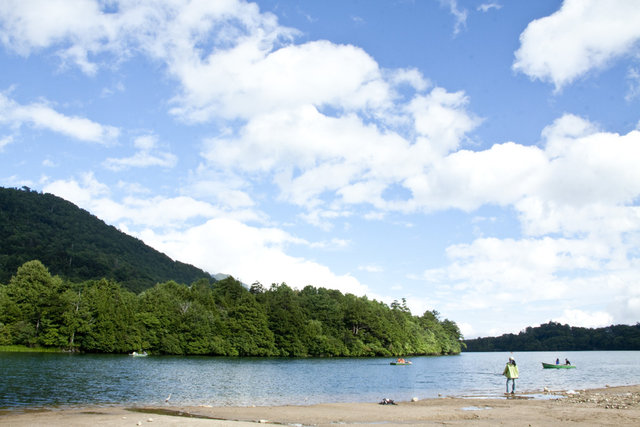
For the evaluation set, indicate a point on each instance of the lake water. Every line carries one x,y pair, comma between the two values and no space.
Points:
42,379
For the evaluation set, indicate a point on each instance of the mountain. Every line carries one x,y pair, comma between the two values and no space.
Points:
78,246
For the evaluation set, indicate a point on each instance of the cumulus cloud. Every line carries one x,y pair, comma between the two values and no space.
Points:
252,253
218,242
442,119
589,183
542,277
311,154
583,35
585,319
41,115
251,71
80,31
146,156
577,203
224,189
31,25
157,212
232,84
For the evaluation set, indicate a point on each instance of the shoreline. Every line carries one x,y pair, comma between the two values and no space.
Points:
614,406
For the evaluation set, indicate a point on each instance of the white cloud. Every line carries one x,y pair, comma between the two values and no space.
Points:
469,179
409,76
219,242
576,199
41,115
81,193
79,27
565,127
543,277
485,7
252,254
459,14
585,319
589,184
158,212
333,244
581,174
133,188
233,83
371,268
146,156
80,31
311,155
4,141
583,35
633,82
441,118
247,68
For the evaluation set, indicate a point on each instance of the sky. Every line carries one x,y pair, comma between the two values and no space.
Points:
478,158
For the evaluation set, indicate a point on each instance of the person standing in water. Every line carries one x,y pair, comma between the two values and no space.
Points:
511,372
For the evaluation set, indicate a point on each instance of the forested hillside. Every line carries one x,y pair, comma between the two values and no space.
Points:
77,246
212,318
555,336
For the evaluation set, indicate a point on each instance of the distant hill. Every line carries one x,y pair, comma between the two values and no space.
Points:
554,336
78,246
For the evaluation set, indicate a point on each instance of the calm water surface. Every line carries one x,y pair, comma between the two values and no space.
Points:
42,379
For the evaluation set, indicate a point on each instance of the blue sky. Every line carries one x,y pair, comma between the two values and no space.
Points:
478,158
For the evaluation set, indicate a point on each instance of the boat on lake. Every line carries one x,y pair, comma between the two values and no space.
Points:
555,366
136,354
401,362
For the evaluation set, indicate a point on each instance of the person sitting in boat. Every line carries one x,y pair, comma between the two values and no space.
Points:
557,361
401,360
566,362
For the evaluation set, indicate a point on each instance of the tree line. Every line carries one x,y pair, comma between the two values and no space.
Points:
212,318
555,336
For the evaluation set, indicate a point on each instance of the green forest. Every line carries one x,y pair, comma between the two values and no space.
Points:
555,336
78,246
209,317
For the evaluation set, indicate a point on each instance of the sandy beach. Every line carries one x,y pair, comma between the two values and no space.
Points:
609,406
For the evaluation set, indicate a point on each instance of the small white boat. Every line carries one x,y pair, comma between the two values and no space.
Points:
136,354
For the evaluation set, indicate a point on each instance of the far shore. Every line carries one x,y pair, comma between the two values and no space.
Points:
608,406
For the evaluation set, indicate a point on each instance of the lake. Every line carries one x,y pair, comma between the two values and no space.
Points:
43,379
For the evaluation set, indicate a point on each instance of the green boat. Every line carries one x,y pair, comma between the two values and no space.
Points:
554,366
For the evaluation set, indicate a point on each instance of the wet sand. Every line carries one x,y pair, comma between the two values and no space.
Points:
611,406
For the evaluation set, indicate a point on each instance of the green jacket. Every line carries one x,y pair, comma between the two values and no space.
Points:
510,371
